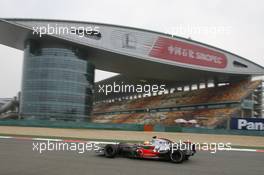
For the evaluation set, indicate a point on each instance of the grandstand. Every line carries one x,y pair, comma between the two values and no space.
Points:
211,107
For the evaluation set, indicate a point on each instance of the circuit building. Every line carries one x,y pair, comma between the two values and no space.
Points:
60,58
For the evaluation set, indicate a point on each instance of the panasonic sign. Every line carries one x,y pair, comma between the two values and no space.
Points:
247,124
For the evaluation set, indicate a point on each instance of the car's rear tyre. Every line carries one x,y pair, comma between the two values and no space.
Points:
177,156
110,151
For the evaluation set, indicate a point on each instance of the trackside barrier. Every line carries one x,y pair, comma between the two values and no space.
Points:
173,129
125,127
159,128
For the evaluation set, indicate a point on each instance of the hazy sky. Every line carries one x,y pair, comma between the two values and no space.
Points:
234,25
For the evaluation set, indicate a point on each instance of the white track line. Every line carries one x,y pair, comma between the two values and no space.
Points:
46,139
244,150
5,137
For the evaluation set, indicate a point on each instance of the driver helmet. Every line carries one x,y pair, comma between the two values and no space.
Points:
146,143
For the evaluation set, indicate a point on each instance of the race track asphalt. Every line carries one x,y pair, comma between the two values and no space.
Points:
18,158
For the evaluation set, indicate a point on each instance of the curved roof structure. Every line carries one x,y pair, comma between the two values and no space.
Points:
134,52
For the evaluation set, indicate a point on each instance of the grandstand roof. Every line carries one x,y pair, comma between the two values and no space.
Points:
137,52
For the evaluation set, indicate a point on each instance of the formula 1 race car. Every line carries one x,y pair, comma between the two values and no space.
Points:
157,148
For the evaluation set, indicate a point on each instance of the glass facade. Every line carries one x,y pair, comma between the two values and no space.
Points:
57,83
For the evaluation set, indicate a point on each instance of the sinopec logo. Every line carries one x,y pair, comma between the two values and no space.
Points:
183,52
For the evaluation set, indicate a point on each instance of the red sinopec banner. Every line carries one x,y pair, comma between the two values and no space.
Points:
174,50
